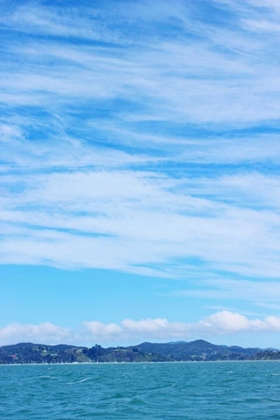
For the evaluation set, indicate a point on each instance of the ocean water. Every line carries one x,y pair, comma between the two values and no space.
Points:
207,390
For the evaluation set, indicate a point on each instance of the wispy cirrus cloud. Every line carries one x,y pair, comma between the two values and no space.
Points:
195,74
141,138
260,293
128,219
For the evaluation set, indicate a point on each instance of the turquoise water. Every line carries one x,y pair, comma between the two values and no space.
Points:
219,390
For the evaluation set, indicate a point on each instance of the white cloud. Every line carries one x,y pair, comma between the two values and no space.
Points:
220,323
262,293
131,219
225,322
103,331
132,331
145,325
46,332
215,78
110,175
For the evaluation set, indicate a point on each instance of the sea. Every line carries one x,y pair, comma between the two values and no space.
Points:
148,391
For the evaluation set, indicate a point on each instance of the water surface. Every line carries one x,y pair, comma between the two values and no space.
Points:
218,390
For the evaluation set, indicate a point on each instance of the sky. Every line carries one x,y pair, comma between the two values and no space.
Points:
139,171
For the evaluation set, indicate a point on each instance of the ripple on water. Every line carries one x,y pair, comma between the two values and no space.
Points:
195,391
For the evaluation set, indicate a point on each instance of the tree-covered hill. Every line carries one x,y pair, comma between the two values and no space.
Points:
199,350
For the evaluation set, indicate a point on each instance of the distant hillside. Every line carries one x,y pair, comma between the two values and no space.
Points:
41,353
198,350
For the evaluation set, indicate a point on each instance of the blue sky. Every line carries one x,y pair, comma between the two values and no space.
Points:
139,165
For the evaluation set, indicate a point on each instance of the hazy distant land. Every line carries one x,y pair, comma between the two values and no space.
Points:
198,350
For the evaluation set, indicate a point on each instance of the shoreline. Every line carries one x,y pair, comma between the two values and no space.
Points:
137,363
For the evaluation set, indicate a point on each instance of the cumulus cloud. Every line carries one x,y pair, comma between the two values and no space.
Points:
220,323
41,333
225,322
101,330
132,331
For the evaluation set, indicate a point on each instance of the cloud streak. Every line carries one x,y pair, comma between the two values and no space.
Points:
124,219
190,80
142,139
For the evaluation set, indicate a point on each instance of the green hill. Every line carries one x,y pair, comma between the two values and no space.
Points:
198,350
